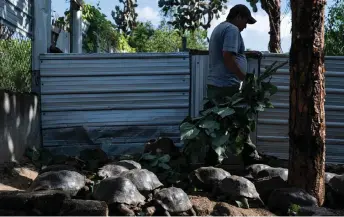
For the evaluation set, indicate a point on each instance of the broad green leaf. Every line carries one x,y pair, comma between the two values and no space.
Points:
148,156
154,163
268,105
209,124
188,131
236,100
224,112
164,166
210,110
267,86
165,158
220,139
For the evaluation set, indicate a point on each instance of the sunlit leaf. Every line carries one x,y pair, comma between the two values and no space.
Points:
188,131
224,112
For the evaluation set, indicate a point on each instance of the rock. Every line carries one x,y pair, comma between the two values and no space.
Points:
15,213
202,205
265,186
225,209
281,199
315,211
205,207
44,202
337,184
84,208
334,168
335,192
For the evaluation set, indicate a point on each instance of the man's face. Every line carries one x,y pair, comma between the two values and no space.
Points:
242,22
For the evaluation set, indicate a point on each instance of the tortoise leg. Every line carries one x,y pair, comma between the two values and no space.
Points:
150,211
193,212
167,213
261,201
244,201
125,210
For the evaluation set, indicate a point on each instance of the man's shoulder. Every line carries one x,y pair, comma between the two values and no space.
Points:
226,26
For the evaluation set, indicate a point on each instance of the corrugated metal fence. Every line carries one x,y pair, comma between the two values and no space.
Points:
272,127
17,14
117,101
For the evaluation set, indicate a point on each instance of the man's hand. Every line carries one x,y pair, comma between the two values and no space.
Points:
232,65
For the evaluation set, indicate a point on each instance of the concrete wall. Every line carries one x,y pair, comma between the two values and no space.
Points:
19,124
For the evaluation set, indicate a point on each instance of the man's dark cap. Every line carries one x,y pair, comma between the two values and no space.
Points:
242,10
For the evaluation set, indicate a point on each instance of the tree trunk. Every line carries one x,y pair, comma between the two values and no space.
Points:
307,96
273,9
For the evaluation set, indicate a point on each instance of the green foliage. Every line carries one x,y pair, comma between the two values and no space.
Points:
125,19
294,209
141,35
192,14
253,4
15,65
167,170
334,30
225,127
101,31
164,39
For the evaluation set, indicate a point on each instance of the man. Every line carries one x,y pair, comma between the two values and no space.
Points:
227,61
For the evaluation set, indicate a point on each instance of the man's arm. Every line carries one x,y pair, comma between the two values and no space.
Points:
232,65
230,49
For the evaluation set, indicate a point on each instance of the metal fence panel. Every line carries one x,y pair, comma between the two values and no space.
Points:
272,126
17,14
117,101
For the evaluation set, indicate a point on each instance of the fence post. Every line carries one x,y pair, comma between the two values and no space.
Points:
41,38
76,26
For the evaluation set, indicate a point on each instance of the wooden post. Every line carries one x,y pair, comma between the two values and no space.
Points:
307,95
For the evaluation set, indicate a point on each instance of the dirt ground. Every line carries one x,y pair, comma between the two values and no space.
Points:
17,177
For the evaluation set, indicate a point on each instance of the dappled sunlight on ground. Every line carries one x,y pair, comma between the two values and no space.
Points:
16,177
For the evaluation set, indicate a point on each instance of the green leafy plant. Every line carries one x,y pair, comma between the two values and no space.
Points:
160,161
294,209
15,64
168,170
334,30
225,127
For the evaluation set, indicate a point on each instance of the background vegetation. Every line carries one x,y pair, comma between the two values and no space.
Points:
133,36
